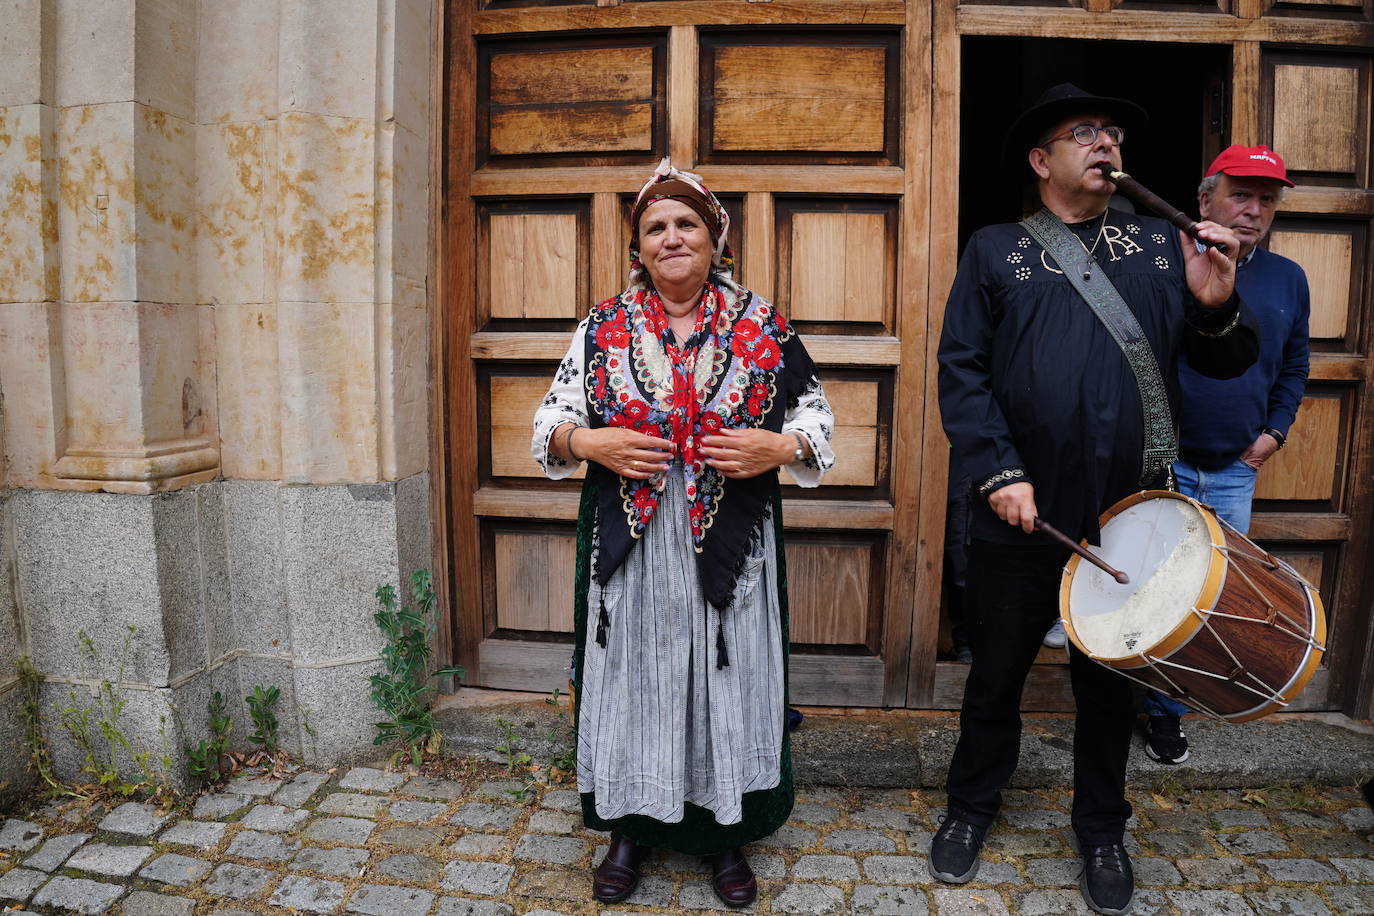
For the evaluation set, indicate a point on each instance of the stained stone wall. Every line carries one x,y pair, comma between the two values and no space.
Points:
15,773
213,353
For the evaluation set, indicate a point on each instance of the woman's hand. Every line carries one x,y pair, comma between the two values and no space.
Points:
624,451
747,452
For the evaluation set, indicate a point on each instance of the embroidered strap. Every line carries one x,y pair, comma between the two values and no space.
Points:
1161,439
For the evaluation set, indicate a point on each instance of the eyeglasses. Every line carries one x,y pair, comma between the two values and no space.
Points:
1085,134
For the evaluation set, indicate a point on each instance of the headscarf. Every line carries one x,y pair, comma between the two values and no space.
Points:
668,183
742,367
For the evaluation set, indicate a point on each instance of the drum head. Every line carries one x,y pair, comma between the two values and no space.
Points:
1164,544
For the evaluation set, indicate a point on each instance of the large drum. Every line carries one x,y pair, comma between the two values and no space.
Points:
1207,618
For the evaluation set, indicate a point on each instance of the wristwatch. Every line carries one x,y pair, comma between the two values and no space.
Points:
1279,437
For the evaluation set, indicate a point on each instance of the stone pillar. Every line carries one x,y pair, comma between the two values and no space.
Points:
214,350
137,405
313,215
28,311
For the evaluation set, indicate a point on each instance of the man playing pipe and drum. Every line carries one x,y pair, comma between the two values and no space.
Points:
1058,382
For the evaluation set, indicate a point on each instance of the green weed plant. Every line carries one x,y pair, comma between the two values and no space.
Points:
206,760
262,708
403,690
98,733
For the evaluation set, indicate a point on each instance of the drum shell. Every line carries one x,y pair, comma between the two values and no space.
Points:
1233,637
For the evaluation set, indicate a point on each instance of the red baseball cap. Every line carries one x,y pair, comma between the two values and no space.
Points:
1250,162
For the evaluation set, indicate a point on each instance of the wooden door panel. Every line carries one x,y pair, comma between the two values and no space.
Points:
1324,9
534,260
533,265
1317,109
584,100
533,577
825,98
512,401
835,585
837,262
1332,254
1313,497
1305,469
799,97
856,438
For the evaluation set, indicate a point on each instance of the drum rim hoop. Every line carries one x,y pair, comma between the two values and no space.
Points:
1188,626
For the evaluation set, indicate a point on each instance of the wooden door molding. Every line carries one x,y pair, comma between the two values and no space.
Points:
440,510
935,139
454,312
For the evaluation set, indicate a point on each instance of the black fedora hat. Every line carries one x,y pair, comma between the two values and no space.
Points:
1057,103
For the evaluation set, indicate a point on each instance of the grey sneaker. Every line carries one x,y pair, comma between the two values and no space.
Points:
954,851
1165,741
1055,637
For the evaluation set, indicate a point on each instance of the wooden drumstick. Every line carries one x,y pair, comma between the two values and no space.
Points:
1085,553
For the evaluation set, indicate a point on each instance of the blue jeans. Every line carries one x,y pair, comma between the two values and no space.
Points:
1229,491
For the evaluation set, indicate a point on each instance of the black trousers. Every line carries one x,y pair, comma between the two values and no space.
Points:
1011,599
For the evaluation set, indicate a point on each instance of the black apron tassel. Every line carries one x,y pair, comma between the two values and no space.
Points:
603,623
722,656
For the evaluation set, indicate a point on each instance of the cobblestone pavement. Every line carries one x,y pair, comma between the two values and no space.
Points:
367,841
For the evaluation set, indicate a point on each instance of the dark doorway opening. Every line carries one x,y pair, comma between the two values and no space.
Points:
1184,87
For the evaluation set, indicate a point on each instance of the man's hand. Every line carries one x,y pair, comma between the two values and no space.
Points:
1015,505
1260,450
1211,275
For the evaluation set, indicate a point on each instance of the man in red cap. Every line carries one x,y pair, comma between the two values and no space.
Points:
1229,428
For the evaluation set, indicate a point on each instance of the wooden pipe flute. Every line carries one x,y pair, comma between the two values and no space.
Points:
1085,553
1147,198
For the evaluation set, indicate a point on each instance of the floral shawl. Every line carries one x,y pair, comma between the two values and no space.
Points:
742,368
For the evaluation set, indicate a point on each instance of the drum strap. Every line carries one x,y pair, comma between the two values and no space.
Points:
1161,439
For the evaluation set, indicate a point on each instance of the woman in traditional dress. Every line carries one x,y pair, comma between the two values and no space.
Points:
683,394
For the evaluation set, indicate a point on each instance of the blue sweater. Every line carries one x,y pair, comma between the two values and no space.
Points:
1219,419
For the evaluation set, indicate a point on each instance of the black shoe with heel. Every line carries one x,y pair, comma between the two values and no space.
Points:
732,879
618,874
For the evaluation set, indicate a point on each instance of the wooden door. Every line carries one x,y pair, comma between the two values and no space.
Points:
810,120
1299,80
1314,497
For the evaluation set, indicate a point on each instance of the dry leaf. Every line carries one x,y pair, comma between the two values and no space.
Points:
1161,801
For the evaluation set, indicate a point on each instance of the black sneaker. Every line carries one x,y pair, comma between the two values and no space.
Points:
1165,741
1108,884
954,851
